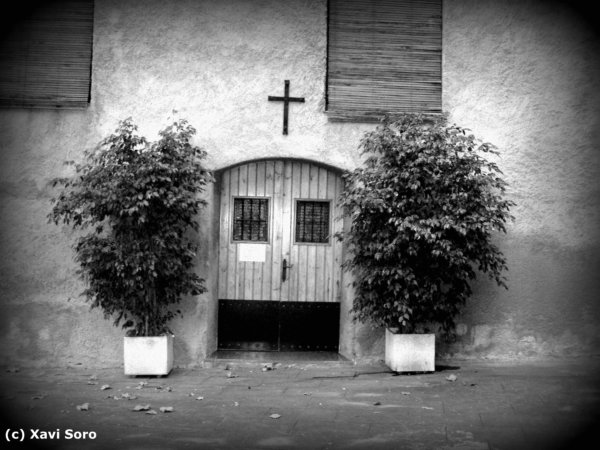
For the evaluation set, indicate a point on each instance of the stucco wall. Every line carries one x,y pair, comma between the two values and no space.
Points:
522,75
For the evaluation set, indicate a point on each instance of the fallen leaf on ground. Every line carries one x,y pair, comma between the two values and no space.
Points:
166,409
141,408
151,412
275,416
83,407
200,398
105,387
230,375
451,377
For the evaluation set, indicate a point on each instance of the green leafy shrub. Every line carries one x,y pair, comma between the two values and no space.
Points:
423,210
138,202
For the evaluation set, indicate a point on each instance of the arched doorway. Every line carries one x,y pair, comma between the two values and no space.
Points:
280,275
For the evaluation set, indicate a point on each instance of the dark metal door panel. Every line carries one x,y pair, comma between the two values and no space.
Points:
256,325
248,325
309,326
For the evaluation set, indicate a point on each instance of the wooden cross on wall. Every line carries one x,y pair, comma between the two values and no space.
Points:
286,99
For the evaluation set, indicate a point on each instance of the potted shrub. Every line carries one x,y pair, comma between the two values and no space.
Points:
136,203
424,208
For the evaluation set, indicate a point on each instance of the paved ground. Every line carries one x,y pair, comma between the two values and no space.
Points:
543,405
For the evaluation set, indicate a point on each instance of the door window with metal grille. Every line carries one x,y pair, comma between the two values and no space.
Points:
251,219
312,221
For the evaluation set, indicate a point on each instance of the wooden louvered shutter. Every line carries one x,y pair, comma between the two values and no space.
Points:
45,59
384,57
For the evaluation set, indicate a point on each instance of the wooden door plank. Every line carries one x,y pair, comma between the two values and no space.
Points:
264,172
301,256
286,220
232,264
288,223
336,266
223,235
311,251
334,224
256,268
322,277
249,267
276,170
241,266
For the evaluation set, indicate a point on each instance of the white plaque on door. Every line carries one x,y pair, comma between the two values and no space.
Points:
252,252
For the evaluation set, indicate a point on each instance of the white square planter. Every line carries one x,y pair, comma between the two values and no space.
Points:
410,352
148,355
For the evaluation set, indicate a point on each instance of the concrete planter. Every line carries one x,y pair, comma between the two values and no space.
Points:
148,355
410,352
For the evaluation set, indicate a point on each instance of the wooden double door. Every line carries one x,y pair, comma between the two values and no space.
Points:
280,276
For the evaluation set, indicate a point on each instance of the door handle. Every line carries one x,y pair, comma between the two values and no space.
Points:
284,269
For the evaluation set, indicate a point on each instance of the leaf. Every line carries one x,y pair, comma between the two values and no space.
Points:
275,416
105,387
200,398
166,409
451,377
151,412
141,408
83,407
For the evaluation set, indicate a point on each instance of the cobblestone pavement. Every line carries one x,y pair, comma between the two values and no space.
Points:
463,405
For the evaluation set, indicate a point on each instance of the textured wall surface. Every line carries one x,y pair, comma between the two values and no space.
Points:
522,75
